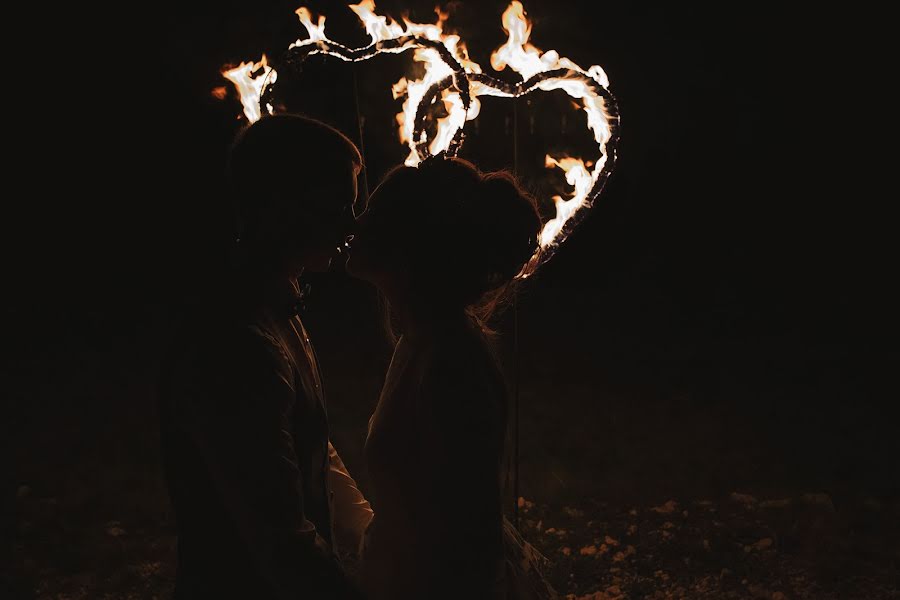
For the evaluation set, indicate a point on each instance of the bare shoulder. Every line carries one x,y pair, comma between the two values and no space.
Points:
220,353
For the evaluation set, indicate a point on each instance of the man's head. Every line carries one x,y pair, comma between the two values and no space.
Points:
294,184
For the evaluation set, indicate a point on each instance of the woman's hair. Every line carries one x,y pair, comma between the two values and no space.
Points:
463,234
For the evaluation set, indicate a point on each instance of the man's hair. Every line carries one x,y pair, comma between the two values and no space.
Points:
278,156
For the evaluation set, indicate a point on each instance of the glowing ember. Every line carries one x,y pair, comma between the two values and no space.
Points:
452,78
249,79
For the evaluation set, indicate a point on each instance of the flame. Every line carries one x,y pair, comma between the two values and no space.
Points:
578,176
379,28
219,92
411,91
522,57
517,53
435,70
316,31
248,78
528,61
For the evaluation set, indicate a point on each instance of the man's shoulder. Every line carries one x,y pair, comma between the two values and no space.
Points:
229,344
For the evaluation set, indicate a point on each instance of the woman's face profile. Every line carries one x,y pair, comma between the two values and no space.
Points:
373,252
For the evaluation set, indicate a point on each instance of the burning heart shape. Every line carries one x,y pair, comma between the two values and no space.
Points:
458,81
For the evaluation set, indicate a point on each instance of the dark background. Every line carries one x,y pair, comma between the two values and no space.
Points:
722,320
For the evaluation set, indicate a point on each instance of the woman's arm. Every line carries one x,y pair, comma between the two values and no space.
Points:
352,512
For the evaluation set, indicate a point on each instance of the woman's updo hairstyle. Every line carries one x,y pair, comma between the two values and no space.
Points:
463,234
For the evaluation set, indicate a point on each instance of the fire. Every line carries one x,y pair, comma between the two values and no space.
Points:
521,56
578,176
381,29
249,78
316,30
445,59
528,61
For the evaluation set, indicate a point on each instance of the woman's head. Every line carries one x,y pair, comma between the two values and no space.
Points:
444,234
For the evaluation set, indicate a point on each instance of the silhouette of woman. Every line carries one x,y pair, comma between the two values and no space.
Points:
443,243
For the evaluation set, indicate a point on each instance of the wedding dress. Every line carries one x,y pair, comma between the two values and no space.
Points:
434,452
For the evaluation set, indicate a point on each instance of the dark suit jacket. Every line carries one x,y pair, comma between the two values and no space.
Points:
245,449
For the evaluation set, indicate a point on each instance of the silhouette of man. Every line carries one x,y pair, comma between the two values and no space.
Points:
253,479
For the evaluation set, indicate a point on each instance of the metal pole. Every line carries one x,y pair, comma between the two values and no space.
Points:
516,341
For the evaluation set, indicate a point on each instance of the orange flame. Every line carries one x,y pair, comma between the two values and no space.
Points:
316,30
517,53
248,78
521,56
528,61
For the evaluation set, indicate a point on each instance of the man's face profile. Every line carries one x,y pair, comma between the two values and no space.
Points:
324,218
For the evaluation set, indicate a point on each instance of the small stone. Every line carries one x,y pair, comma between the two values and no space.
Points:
822,501
666,509
764,544
746,499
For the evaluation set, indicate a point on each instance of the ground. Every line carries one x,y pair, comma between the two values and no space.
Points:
640,480
733,547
